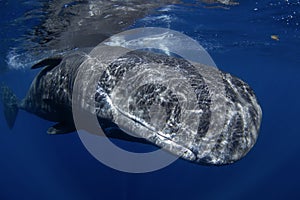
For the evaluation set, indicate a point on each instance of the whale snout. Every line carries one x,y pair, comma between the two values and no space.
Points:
240,122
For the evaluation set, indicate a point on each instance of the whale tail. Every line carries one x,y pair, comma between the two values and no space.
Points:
10,105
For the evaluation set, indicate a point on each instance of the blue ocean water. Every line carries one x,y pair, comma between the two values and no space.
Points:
35,165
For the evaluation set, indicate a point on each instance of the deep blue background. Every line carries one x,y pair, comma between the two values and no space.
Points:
35,165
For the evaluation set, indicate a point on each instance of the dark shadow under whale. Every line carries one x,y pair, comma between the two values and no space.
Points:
79,24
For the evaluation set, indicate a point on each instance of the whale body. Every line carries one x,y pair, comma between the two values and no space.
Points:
136,92
194,111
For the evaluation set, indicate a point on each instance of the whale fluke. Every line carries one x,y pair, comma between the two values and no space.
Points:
10,105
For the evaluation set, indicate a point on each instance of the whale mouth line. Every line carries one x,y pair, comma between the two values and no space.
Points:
159,138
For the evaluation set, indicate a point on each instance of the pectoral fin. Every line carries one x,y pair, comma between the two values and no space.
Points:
61,128
48,62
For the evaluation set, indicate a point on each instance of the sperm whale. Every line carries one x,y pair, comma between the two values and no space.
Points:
194,111
142,93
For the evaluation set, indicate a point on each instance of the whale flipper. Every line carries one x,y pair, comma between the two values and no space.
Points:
61,128
48,62
10,105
